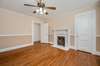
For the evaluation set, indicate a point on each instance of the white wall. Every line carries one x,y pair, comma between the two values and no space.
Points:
15,26
15,23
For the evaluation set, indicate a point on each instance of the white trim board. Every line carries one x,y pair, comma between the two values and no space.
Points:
96,53
51,42
17,35
15,47
93,52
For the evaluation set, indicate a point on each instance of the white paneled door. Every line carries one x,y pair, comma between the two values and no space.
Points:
85,31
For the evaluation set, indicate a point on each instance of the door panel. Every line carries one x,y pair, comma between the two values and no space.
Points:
84,29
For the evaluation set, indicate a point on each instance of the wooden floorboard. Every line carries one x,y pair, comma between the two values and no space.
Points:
45,55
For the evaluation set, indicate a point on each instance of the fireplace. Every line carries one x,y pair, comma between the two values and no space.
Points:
61,40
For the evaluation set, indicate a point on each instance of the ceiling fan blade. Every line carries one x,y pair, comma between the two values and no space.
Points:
53,8
30,5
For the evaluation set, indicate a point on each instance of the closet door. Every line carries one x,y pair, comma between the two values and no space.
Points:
85,31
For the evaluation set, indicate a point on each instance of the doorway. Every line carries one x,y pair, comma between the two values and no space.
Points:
85,31
37,32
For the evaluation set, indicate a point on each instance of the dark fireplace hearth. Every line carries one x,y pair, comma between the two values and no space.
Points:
61,40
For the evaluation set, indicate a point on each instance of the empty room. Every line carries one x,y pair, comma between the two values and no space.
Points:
49,32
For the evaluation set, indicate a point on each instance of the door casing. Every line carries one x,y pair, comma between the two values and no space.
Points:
44,28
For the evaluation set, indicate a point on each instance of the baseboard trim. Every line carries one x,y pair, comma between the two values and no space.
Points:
93,52
71,47
14,47
50,42
96,53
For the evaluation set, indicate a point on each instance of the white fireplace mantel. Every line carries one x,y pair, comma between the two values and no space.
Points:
61,32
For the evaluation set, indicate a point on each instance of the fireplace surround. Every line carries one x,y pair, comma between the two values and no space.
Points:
61,39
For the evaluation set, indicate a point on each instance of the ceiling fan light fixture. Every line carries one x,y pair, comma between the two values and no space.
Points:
41,7
41,11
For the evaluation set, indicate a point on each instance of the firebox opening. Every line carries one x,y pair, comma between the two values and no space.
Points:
61,40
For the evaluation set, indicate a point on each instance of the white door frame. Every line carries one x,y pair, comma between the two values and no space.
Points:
94,32
34,22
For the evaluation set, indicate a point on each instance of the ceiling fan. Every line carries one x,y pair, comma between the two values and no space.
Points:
41,7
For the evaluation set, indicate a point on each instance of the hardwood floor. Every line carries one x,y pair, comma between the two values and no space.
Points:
45,55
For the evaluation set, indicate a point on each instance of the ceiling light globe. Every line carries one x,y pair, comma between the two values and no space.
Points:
44,11
41,13
41,9
37,10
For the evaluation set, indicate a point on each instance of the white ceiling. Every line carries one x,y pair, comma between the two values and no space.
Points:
62,5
